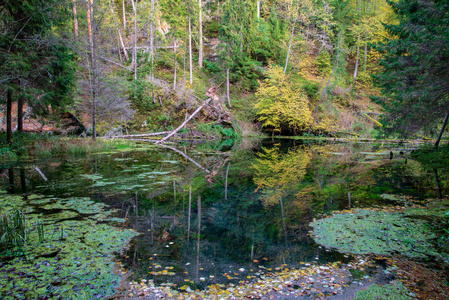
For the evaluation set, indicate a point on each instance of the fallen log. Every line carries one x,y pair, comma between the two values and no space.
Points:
185,122
140,135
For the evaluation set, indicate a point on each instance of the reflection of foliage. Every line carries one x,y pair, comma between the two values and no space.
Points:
276,173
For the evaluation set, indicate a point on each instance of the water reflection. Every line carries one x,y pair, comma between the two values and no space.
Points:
211,216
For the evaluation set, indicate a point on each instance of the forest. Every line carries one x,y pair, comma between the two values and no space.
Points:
337,68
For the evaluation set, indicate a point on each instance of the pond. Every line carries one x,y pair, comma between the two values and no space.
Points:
222,213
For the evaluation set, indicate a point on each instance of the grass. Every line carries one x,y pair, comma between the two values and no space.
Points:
13,230
44,145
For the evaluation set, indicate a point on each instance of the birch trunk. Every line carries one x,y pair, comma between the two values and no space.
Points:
200,25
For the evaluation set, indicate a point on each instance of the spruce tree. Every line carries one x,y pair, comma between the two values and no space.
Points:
415,70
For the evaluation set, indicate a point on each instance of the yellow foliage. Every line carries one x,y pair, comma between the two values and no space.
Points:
278,105
326,123
277,173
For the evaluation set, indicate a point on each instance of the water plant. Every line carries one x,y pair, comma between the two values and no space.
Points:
68,258
13,231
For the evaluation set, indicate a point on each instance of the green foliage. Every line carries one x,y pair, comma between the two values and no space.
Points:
13,230
279,106
323,63
35,63
415,75
141,94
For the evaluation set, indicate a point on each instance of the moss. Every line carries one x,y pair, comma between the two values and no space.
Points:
396,291
75,258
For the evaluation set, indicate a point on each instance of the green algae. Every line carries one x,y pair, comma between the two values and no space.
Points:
76,257
396,290
366,231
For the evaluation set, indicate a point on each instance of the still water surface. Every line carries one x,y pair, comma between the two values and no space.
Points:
221,214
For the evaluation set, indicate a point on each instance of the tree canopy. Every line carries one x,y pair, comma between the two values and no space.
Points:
415,70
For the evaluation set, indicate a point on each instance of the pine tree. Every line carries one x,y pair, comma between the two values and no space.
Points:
415,75
36,66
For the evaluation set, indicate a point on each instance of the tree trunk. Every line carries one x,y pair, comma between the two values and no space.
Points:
227,87
289,47
174,51
190,52
189,213
258,10
358,43
365,55
75,20
135,39
122,44
152,40
226,182
93,63
124,16
442,130
200,25
9,117
20,114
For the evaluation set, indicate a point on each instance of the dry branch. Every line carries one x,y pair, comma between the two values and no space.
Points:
185,122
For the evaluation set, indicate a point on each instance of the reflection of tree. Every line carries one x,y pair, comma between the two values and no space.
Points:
277,173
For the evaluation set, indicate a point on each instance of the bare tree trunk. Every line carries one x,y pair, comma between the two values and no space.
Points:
152,41
135,39
190,52
200,25
357,58
226,182
189,213
365,55
122,44
9,117
93,62
437,142
75,20
174,51
124,15
358,43
227,87
258,10
20,114
289,47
